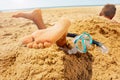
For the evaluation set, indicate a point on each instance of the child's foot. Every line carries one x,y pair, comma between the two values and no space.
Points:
47,37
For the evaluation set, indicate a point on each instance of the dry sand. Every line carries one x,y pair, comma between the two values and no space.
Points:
20,63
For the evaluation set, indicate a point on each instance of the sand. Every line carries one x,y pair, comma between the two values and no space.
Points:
20,63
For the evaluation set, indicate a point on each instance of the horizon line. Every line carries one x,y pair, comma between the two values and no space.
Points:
7,10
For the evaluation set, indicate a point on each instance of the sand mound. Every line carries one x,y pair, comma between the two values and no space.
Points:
20,63
105,66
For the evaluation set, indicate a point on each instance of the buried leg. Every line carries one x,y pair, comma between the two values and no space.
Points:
47,37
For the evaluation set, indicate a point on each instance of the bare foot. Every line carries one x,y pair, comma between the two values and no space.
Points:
35,16
46,37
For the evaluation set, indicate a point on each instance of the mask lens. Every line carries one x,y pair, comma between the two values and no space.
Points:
87,41
79,45
83,42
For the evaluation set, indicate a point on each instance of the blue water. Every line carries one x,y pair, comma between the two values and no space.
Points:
27,4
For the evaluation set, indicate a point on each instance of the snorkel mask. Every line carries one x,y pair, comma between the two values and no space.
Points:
83,41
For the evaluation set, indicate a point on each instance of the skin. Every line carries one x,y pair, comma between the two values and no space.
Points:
44,37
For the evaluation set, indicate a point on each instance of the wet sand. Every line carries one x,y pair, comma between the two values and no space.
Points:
20,63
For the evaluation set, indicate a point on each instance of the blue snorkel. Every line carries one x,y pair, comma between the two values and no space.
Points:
84,40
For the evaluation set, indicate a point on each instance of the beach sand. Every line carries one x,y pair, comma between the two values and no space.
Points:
20,63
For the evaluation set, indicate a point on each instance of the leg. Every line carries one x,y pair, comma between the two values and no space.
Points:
47,37
35,16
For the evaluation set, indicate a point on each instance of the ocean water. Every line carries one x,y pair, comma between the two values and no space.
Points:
7,5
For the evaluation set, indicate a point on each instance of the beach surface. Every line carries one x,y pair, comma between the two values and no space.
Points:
20,63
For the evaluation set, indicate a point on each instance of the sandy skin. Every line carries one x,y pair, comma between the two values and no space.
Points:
44,37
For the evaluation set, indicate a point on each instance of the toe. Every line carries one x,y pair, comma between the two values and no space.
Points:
30,45
14,16
35,45
27,39
17,15
40,45
47,44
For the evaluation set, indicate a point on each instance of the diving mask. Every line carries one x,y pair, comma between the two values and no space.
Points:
81,43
